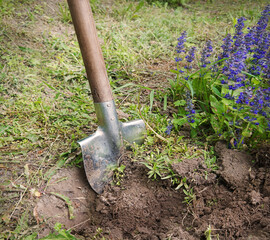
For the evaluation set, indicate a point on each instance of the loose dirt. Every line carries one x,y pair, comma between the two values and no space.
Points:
232,202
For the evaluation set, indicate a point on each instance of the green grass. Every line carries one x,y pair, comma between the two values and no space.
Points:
44,94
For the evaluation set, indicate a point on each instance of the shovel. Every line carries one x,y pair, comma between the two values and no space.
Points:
102,150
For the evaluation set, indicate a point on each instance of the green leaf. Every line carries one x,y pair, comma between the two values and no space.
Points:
165,103
255,81
174,71
193,132
25,49
247,132
214,123
33,236
186,192
216,91
190,88
3,129
180,103
57,227
151,99
226,102
179,122
217,106
121,168
32,137
56,96
139,6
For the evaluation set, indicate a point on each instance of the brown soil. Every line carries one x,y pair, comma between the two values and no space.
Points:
233,202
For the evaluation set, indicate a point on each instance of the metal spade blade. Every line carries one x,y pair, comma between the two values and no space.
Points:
101,150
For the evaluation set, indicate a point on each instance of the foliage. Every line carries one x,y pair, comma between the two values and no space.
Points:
118,174
231,95
130,12
65,13
156,164
59,234
63,234
208,234
172,3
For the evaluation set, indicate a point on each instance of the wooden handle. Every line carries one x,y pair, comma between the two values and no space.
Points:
85,29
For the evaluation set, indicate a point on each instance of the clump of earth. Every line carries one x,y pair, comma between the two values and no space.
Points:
232,203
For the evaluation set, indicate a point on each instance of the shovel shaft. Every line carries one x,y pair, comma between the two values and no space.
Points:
85,28
101,150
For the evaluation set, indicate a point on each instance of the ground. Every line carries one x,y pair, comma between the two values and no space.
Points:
46,107
233,202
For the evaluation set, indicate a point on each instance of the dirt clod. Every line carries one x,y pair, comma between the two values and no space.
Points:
236,165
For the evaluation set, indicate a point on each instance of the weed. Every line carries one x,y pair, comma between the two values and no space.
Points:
65,13
190,195
7,7
156,164
118,174
60,234
159,167
172,3
208,234
99,235
129,12
210,158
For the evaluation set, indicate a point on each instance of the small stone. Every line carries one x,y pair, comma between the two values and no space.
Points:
207,210
265,222
251,175
255,197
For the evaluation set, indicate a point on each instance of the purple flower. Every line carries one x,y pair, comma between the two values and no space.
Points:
261,49
169,128
234,67
190,57
181,41
258,101
263,21
229,96
245,96
239,37
207,50
250,38
227,47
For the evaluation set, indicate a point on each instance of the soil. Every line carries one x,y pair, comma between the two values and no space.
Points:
232,202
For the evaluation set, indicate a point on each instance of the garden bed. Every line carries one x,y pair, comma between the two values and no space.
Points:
232,203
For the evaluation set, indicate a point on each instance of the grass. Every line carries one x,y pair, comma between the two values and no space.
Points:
45,98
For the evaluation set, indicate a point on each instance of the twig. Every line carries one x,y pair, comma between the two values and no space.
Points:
12,190
140,113
81,223
159,136
17,204
9,162
119,105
